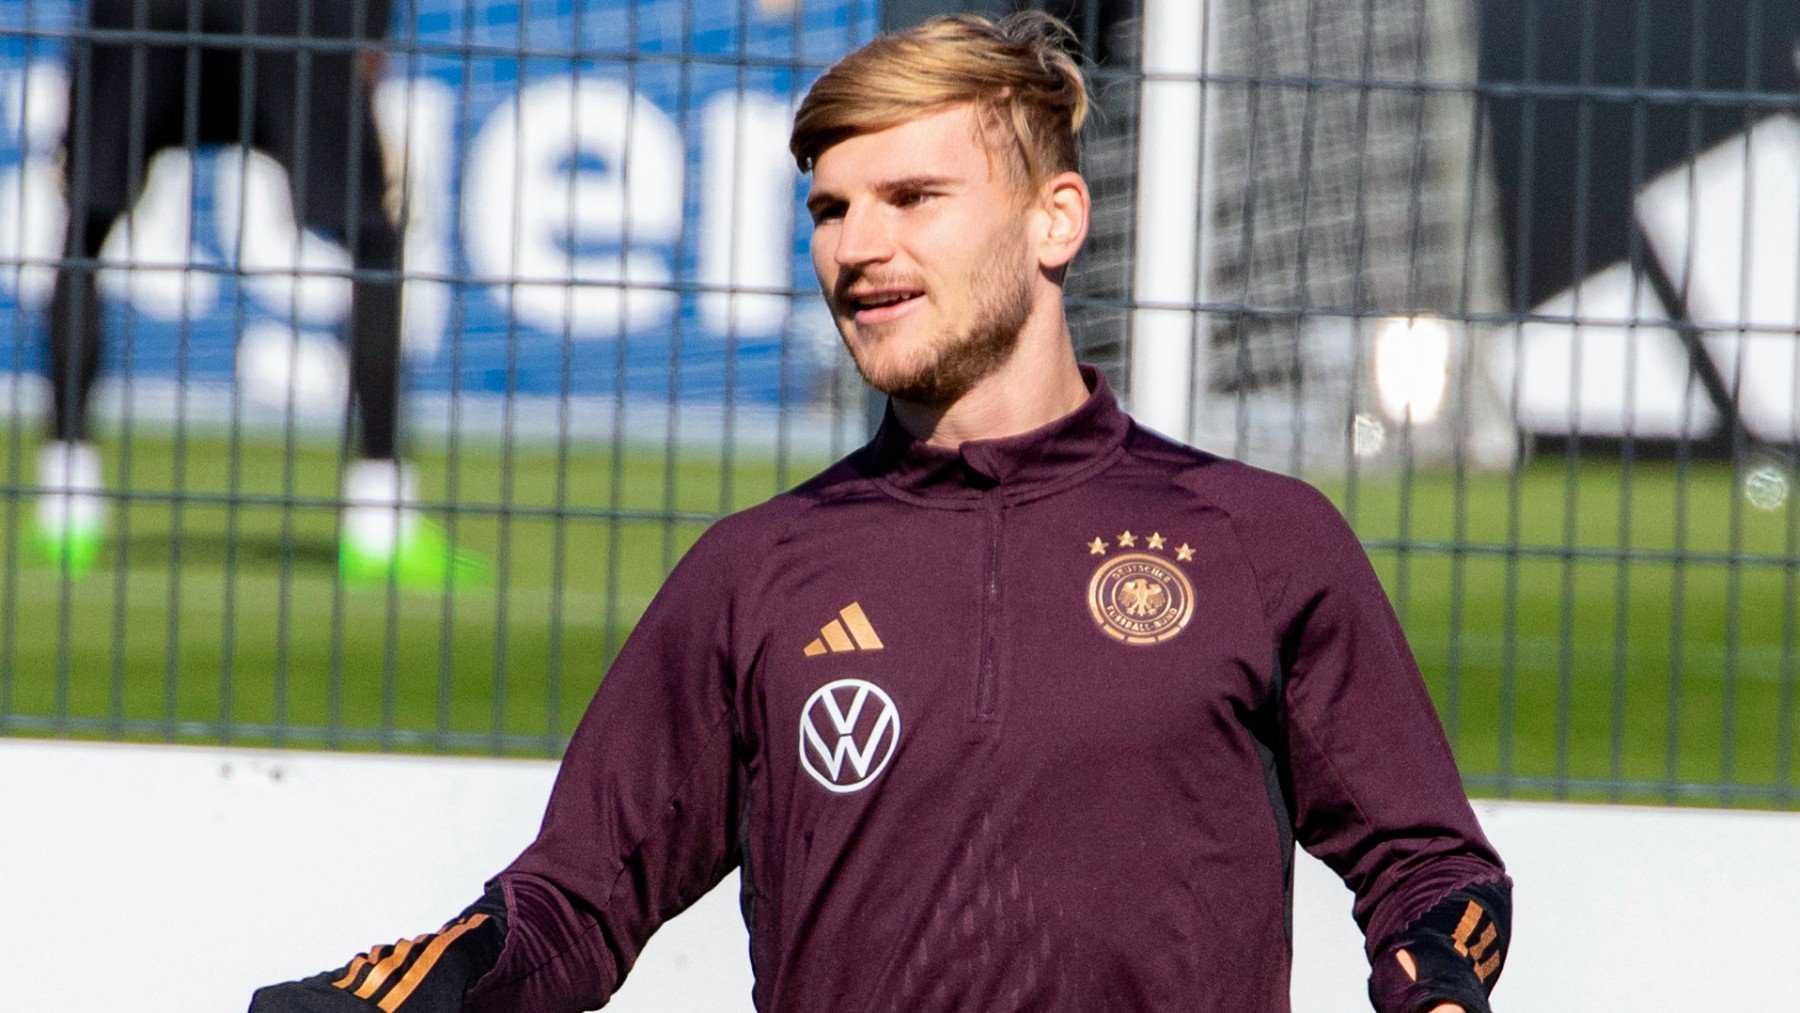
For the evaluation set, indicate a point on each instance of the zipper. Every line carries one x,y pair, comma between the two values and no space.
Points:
987,677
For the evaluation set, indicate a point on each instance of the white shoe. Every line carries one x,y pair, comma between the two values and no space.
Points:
383,538
71,506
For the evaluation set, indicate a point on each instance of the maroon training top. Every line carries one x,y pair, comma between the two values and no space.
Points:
1029,725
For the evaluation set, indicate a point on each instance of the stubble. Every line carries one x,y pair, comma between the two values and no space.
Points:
955,363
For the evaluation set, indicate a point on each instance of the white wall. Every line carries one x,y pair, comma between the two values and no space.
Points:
162,878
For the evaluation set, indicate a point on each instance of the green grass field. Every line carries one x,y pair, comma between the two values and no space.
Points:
1574,649
1638,642
211,621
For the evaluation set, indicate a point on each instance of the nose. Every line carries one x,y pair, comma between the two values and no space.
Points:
862,238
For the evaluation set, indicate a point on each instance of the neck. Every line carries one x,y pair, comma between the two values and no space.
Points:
1039,384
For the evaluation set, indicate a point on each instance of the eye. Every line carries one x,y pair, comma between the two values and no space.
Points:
827,213
913,198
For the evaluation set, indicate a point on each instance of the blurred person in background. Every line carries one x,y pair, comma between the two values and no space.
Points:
282,77
1078,690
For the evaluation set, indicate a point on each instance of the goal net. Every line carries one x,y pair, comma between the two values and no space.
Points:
1318,300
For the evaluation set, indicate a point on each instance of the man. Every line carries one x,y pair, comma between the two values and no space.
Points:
1020,707
305,100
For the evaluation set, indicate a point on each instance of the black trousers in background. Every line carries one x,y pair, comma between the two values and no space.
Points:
252,81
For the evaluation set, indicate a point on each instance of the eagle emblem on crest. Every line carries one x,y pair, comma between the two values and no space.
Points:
1140,598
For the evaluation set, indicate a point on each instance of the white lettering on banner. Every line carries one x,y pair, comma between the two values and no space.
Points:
295,274
1724,224
573,191
532,204
307,374
34,104
1618,370
747,203
414,118
32,219
148,250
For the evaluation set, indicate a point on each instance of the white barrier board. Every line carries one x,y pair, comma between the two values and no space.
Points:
151,878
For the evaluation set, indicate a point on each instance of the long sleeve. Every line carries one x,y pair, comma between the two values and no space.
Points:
643,819
1373,787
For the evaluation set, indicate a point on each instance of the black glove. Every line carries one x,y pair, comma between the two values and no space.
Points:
426,974
1456,950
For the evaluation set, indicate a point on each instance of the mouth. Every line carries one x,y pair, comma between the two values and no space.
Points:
882,305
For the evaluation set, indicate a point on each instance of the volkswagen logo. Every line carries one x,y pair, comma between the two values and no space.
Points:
849,730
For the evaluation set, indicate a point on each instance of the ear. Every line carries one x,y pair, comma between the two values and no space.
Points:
1064,205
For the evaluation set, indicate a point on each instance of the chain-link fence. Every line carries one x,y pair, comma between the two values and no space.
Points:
1513,282
600,341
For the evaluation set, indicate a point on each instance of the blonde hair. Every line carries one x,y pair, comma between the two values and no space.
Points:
1017,72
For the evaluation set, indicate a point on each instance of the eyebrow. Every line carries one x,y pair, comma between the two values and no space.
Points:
822,198
913,183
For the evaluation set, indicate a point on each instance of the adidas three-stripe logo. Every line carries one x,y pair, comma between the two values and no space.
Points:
850,631
1482,953
401,967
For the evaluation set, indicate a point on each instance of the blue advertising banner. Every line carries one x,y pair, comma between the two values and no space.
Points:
598,202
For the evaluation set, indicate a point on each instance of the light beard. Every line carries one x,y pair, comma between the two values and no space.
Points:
956,364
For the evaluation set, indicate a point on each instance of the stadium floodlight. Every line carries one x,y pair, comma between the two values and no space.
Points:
1412,367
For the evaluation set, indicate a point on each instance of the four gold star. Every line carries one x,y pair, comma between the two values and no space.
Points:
1183,553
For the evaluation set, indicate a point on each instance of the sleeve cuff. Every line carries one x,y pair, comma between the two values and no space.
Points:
1456,951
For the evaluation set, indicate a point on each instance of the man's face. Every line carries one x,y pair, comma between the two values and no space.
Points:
920,240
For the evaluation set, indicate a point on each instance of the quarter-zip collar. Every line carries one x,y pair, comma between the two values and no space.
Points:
1024,466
